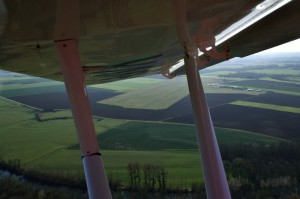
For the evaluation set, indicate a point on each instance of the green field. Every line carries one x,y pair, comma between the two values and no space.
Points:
56,114
157,136
289,80
178,163
210,85
267,106
33,85
43,88
44,144
269,74
277,71
156,94
159,95
10,76
47,140
11,86
275,86
217,73
128,84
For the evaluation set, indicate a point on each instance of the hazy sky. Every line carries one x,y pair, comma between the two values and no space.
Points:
293,46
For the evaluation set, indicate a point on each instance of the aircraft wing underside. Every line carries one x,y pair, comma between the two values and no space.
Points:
122,39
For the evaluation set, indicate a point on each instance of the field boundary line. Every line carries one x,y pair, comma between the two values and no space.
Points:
32,107
253,133
43,155
144,121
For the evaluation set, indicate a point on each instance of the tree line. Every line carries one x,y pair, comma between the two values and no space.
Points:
263,171
257,75
253,171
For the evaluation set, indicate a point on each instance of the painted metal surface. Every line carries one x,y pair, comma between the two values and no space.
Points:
213,170
96,179
121,39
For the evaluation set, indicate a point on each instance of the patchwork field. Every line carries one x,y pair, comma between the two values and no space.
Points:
260,120
49,142
149,119
265,121
276,99
59,100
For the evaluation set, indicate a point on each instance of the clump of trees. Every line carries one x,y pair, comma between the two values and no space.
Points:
148,177
43,117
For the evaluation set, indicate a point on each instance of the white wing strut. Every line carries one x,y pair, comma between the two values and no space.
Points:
96,179
212,165
66,34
